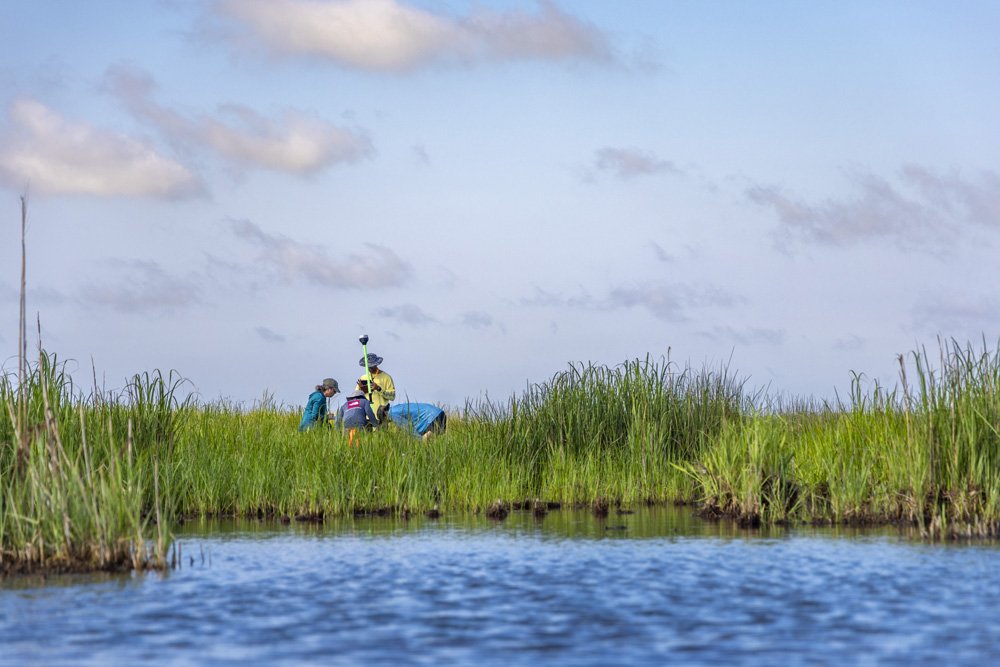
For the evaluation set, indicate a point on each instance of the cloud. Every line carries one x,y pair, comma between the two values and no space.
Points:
407,313
268,335
665,301
544,299
46,296
850,344
477,320
955,312
298,261
629,163
394,36
747,335
420,153
53,155
144,286
661,254
922,209
35,295
296,143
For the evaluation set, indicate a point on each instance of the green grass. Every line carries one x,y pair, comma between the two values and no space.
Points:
80,478
97,479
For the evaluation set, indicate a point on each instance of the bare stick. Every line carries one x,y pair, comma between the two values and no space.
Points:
22,335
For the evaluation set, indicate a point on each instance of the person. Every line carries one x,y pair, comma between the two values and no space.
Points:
315,411
382,392
356,413
421,420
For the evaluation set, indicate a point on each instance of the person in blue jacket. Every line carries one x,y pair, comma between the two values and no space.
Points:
421,420
315,411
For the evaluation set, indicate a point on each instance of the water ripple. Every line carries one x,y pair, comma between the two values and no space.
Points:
519,594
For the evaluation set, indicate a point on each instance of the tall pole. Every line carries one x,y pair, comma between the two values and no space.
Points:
22,332
364,348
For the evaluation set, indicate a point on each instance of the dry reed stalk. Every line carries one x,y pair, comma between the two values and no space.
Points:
22,335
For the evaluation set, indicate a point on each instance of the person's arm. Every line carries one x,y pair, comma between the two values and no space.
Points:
384,380
372,419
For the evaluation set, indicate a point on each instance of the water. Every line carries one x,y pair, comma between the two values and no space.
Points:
666,588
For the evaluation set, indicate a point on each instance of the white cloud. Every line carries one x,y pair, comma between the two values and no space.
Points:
420,153
477,320
665,301
851,343
268,335
407,313
669,301
297,143
629,163
143,286
922,209
746,335
389,35
661,254
955,312
54,155
292,260
36,295
544,299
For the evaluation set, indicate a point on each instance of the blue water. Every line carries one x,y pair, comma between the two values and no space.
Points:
655,587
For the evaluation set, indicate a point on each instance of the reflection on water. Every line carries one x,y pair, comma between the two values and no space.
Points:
655,586
642,522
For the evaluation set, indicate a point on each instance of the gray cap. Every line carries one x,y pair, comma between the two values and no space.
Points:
357,393
331,384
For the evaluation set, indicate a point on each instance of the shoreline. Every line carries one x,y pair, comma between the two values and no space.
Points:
106,475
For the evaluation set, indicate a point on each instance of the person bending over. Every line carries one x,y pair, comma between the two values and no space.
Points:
356,412
315,411
421,420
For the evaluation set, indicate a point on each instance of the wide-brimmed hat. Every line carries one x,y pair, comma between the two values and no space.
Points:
373,360
357,393
330,383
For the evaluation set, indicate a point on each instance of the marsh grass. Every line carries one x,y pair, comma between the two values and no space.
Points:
80,478
926,453
96,481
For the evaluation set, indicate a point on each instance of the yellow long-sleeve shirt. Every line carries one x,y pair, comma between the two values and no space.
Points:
387,394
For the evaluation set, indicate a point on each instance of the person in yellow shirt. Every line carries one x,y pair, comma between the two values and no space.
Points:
382,392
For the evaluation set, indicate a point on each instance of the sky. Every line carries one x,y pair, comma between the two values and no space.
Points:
235,190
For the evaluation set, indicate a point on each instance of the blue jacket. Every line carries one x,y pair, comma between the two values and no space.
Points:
315,412
418,418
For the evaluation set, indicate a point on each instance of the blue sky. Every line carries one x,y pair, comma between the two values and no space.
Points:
493,190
